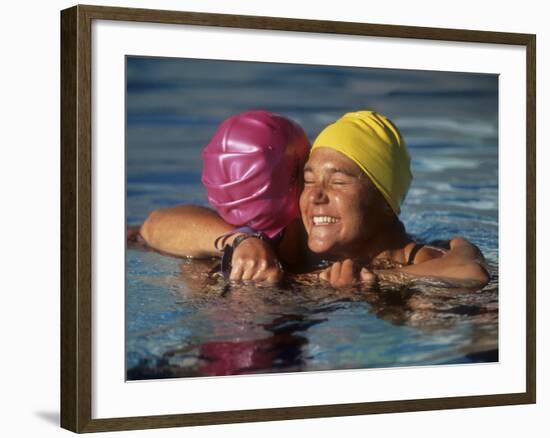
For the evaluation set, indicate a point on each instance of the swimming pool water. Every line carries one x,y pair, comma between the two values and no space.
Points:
178,321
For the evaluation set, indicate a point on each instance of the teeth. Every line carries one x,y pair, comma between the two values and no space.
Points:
321,220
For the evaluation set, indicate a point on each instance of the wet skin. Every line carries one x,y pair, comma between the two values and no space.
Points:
341,208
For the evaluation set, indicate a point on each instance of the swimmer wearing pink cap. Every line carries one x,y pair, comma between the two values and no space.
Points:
252,170
252,173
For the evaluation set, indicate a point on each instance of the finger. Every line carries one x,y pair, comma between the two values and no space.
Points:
273,276
347,273
258,275
236,271
260,272
268,273
335,273
368,277
325,274
248,270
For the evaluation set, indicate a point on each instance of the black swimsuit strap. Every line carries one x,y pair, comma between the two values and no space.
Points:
414,251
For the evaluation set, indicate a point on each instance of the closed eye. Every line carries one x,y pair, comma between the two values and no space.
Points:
338,181
308,177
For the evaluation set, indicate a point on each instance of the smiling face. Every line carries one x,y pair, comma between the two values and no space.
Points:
341,208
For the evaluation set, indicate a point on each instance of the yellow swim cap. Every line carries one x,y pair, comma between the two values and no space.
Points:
376,146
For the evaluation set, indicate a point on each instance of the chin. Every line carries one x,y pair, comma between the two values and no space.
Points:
318,247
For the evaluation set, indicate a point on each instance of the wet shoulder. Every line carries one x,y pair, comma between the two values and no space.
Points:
416,252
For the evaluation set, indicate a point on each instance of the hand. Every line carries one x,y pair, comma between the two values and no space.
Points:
348,273
133,237
254,259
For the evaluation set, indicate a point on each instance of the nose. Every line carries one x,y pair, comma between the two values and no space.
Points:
317,194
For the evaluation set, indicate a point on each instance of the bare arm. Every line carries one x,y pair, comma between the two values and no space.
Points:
463,265
463,262
185,230
190,231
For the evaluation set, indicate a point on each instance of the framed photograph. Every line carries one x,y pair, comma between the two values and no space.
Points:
267,219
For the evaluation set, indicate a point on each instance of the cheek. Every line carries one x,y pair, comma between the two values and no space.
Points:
355,209
347,203
354,218
368,212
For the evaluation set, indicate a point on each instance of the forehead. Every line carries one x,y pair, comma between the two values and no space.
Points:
327,159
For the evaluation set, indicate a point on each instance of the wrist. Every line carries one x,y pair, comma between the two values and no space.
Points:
231,239
235,237
227,243
242,237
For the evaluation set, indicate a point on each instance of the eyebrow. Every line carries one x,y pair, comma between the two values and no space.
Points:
334,170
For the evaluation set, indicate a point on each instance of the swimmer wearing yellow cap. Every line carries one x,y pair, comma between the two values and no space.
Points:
355,181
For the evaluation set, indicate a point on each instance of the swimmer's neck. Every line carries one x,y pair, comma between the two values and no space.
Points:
387,242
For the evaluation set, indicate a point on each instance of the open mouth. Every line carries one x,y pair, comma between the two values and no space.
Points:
324,220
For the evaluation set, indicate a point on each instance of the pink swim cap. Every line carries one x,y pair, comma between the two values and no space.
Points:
252,170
